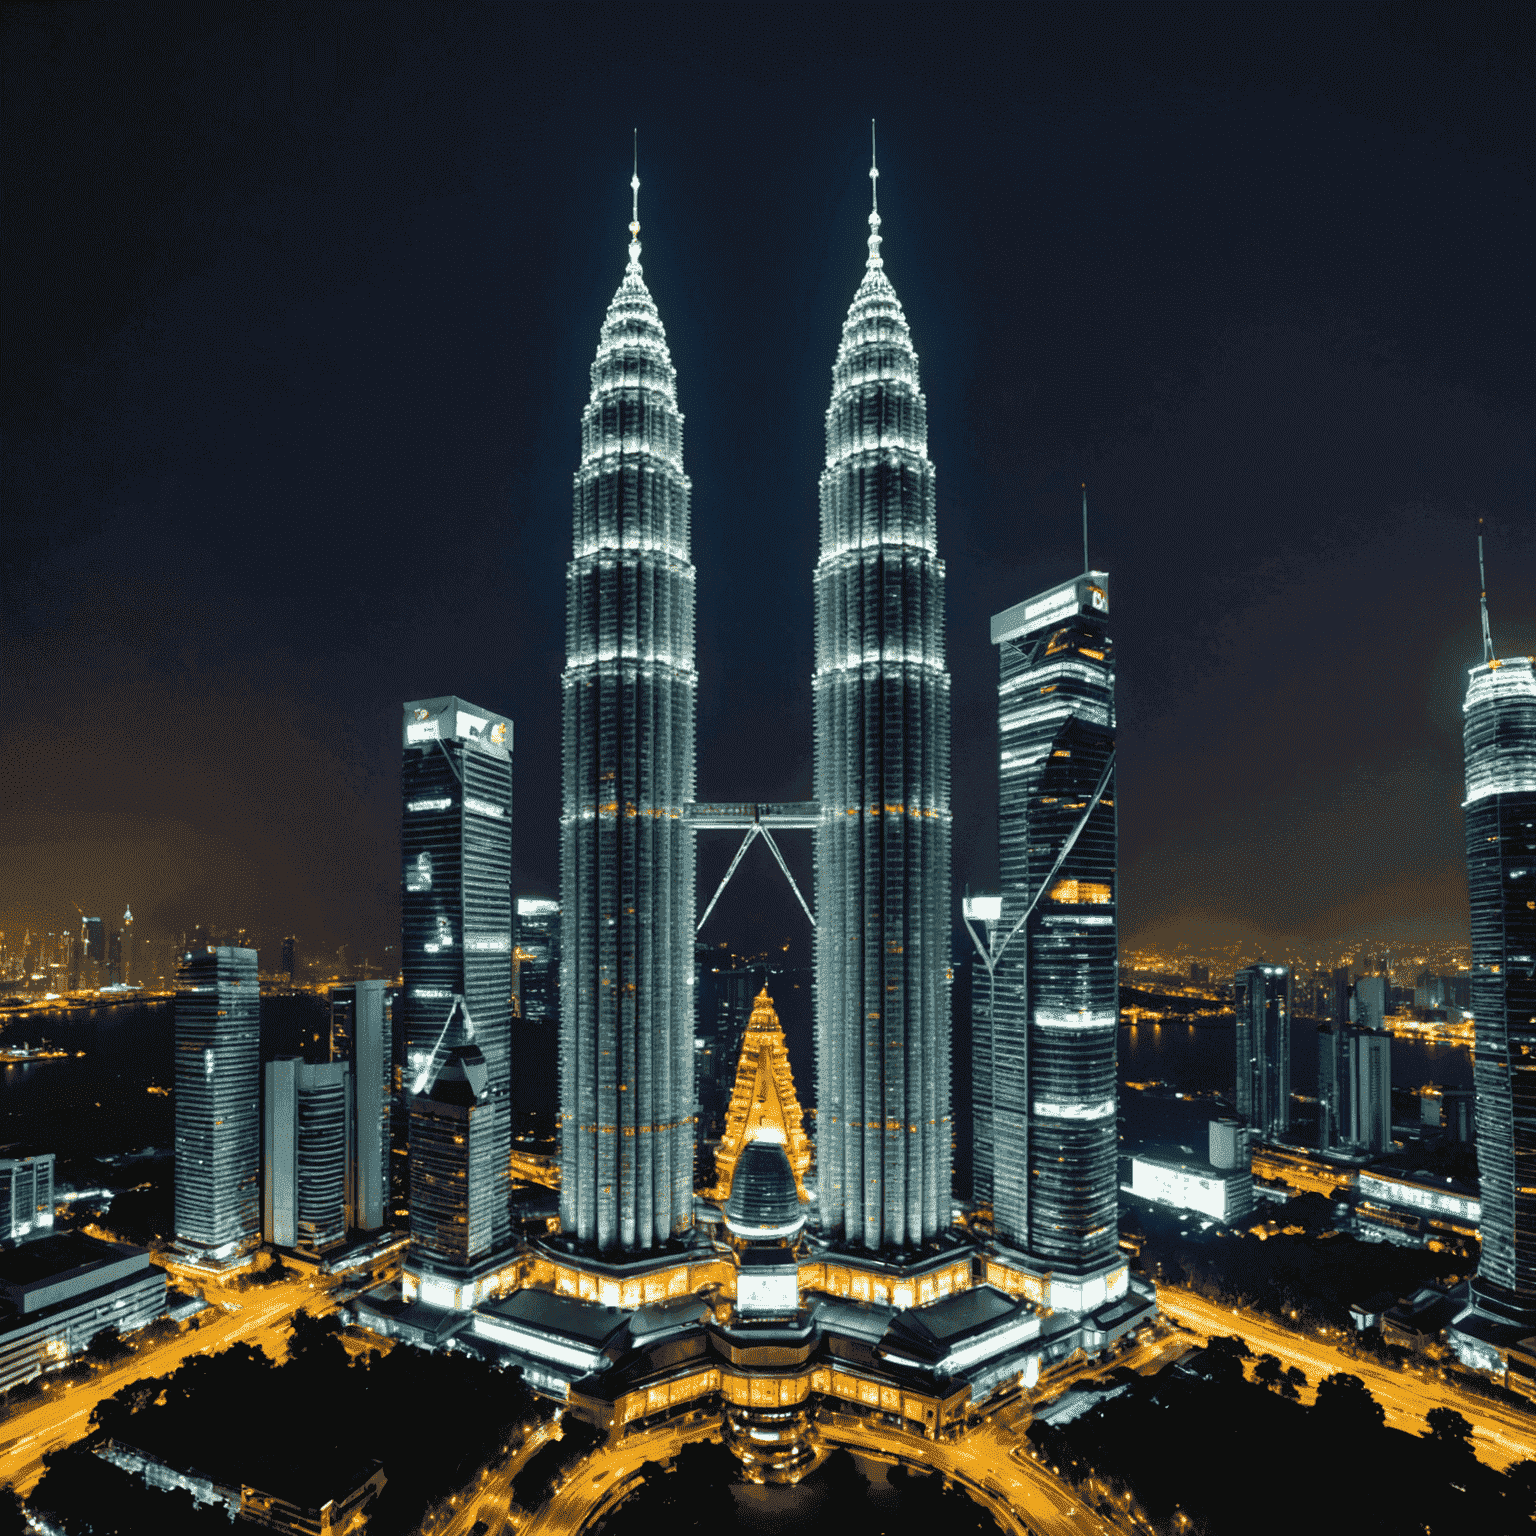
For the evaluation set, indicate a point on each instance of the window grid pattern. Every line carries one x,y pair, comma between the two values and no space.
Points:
1045,1029
1500,744
456,938
626,856
882,775
218,1099
1261,1001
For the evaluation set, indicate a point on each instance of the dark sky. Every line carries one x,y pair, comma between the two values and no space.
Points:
299,303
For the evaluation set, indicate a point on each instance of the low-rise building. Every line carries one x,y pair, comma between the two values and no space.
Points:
58,1292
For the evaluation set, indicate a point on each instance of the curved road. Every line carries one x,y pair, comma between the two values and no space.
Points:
1501,1435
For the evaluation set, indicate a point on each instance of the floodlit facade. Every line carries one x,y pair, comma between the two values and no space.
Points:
1262,1004
763,1101
626,857
26,1196
1500,808
882,774
218,1098
1046,1013
456,957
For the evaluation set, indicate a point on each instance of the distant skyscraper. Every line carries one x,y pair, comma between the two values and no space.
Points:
115,958
882,774
95,946
1262,1003
360,1035
290,961
1371,996
535,1085
1333,1095
1370,1083
1045,1023
218,1093
456,958
307,1126
1500,809
626,857
126,937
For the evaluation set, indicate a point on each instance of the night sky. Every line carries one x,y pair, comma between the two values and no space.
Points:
299,303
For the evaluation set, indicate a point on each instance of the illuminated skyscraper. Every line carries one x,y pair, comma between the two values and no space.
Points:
1044,1031
626,857
218,1095
1500,809
881,696
307,1128
536,1083
456,961
1262,1003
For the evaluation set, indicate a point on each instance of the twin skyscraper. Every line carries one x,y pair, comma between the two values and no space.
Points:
881,822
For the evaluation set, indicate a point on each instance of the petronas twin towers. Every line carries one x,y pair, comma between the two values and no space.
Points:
882,814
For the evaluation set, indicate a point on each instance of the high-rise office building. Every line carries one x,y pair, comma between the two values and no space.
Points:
218,1096
125,940
882,775
1370,1085
458,1180
1371,995
307,1135
1044,1020
536,951
26,1196
1262,1003
290,962
360,1035
1333,1091
1500,809
626,856
95,937
456,960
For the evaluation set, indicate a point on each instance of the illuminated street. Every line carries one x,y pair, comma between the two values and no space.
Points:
260,1317
1501,1435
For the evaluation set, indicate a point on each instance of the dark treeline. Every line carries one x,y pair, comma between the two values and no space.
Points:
307,1430
1308,1279
1204,1443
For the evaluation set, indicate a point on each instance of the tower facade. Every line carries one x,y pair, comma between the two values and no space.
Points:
1262,1002
882,775
218,1095
1046,1018
626,857
1500,808
456,960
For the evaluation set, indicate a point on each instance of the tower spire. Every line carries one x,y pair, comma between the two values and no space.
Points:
1085,527
634,215
1483,596
874,203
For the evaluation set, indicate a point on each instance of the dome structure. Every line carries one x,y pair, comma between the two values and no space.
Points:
764,1202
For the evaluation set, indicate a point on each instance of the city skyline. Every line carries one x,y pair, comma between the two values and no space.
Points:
1249,569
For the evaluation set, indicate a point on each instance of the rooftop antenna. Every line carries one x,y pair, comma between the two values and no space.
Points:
1483,582
874,202
634,215
1085,528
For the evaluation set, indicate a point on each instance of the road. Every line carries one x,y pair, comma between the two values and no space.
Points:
261,1319
1025,1498
1500,1434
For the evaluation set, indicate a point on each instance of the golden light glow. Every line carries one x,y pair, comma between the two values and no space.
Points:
1082,892
763,1099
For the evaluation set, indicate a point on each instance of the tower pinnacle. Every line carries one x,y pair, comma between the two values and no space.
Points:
634,216
874,200
1482,581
